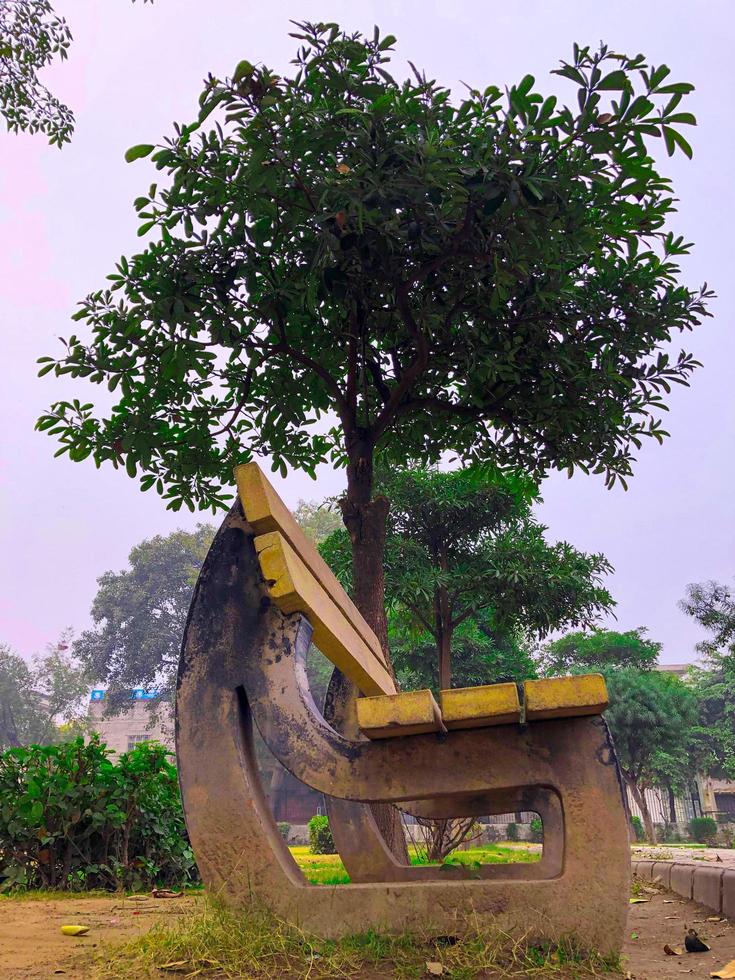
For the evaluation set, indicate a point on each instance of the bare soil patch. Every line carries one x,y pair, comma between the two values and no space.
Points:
32,946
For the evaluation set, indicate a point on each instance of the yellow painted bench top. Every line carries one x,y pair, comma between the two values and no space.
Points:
409,713
478,707
565,697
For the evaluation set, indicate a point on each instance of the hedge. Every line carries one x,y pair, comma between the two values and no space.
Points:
72,819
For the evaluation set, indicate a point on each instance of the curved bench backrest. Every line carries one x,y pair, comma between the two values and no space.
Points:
299,580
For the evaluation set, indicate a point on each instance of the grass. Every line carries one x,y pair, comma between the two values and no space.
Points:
327,869
215,942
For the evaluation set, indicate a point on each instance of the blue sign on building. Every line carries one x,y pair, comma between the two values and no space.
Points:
139,694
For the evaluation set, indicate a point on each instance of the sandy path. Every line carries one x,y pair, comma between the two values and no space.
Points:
32,946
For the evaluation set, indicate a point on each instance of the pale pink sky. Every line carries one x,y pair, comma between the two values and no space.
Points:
67,216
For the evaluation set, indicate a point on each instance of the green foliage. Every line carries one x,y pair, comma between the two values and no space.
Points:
481,654
317,521
492,276
511,831
703,830
537,830
467,567
284,829
71,819
32,35
320,835
35,697
652,715
637,825
140,613
714,734
600,650
713,606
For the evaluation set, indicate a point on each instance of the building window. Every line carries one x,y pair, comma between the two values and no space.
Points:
134,740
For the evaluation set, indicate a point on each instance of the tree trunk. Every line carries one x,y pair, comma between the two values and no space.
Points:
445,659
640,798
8,731
365,520
672,806
443,615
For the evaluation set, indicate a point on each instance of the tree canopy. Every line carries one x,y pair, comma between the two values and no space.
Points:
32,35
652,716
36,696
712,605
139,613
600,650
462,546
492,275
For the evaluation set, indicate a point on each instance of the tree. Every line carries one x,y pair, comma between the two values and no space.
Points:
481,654
35,697
713,606
31,35
714,734
139,613
317,521
600,650
492,277
652,716
463,547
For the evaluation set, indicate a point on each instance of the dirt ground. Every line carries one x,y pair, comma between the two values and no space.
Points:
33,948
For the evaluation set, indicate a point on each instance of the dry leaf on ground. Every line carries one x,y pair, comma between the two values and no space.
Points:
435,969
726,972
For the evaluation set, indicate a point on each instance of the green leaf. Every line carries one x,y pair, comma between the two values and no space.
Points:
139,151
244,70
615,80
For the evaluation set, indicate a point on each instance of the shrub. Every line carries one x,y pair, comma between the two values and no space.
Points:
320,836
284,829
70,818
537,830
512,832
638,830
703,830
670,834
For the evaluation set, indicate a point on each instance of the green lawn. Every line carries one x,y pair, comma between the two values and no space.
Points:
327,869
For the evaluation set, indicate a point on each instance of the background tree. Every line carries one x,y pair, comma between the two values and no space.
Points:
35,698
713,606
492,276
481,654
714,734
31,35
600,650
316,520
652,716
139,614
463,547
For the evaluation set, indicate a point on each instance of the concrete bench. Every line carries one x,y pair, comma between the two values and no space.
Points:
263,596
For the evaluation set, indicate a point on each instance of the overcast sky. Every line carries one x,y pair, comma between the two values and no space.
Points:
67,216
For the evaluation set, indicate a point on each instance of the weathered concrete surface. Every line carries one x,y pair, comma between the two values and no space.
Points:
662,871
243,664
681,879
707,887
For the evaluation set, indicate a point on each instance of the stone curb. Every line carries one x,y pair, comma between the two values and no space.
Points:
708,884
